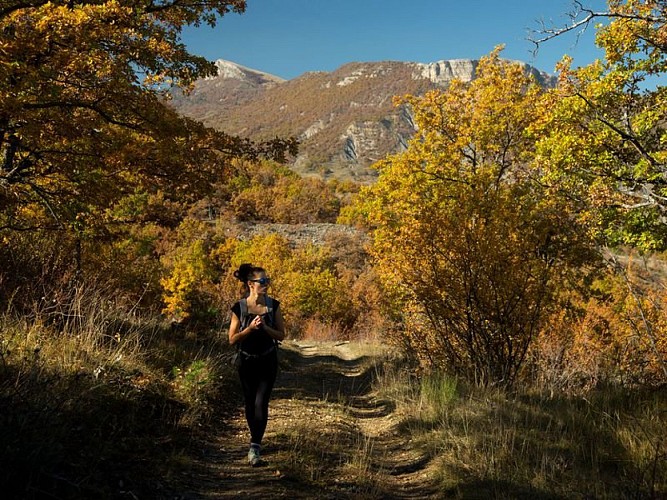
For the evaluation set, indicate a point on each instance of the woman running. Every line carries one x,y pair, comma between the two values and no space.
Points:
256,326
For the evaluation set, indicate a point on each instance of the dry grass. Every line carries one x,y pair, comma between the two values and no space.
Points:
315,425
97,401
338,453
493,444
472,442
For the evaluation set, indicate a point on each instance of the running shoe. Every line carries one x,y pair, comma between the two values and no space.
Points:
253,456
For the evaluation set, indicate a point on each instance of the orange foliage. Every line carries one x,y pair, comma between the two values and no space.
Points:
268,192
469,249
616,335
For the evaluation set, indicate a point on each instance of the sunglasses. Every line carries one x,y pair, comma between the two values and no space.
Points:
262,281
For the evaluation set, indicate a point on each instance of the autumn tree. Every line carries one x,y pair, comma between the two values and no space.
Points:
606,140
311,288
605,145
269,192
78,124
469,248
84,123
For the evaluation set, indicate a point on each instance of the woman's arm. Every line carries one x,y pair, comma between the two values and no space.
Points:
235,335
278,330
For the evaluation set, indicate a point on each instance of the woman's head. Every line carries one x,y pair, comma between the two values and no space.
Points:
254,279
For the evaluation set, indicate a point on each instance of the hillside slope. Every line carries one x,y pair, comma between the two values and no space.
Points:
345,119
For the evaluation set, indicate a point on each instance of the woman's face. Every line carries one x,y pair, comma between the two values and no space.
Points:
259,283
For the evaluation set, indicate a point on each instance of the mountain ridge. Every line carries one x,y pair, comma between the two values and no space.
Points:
344,119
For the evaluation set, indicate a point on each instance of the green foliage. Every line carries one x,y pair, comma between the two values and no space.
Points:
437,392
604,141
190,382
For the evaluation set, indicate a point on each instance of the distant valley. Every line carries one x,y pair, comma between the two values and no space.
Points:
345,119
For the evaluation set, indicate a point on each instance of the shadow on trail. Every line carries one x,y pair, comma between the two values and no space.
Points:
328,439
328,377
314,439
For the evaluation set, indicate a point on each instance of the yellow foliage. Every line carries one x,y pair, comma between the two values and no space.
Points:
469,249
601,141
79,132
304,279
270,192
188,268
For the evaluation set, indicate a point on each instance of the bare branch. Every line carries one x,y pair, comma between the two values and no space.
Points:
549,33
20,5
84,105
43,194
582,23
648,327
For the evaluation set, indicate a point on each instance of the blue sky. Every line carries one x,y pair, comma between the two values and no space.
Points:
289,37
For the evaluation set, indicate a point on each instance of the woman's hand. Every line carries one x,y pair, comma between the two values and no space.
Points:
256,323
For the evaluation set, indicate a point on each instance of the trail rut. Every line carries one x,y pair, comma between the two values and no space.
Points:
329,436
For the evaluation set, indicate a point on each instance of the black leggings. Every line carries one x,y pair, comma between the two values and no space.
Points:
257,378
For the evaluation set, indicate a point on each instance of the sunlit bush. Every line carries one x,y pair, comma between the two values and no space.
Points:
305,280
266,191
615,333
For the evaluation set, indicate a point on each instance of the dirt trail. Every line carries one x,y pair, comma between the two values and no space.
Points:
322,401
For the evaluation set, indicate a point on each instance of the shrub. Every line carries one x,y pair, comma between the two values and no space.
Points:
614,332
305,280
